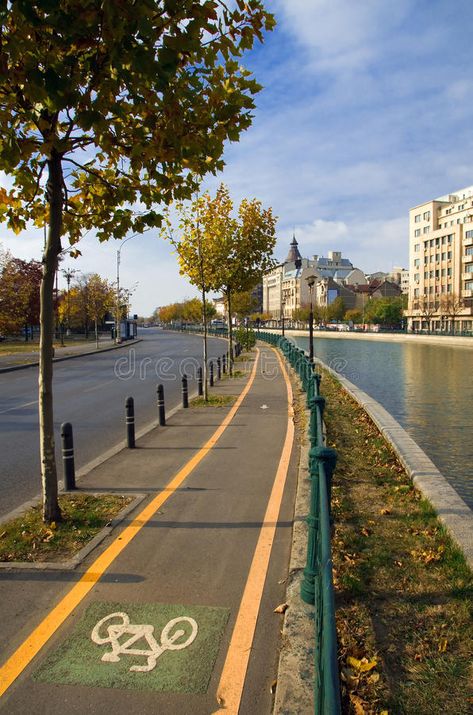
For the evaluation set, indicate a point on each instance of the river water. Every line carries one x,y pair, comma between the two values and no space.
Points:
428,389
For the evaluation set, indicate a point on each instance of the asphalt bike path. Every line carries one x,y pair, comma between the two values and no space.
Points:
175,614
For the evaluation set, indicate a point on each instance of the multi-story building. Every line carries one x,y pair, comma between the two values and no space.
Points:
441,263
285,287
401,277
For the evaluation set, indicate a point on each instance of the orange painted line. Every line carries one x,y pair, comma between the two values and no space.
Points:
31,646
233,676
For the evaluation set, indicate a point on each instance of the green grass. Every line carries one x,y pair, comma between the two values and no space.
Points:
213,401
27,538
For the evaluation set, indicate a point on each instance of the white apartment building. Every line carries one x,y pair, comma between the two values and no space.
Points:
441,263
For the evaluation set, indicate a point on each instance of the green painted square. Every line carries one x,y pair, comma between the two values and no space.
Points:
184,664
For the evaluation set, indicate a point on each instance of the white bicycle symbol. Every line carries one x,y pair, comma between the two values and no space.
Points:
116,630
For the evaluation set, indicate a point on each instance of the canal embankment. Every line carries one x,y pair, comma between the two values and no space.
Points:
459,341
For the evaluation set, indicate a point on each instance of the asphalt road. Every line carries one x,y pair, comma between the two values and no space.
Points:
90,393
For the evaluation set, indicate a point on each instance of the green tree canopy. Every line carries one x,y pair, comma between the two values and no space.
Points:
116,103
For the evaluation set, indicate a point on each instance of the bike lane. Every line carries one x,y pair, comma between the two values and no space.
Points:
169,625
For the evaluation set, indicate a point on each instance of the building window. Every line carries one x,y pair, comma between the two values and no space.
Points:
437,275
449,271
426,229
444,240
417,248
426,275
469,285
437,257
417,232
444,256
469,268
417,218
449,288
416,292
449,255
469,251
431,274
444,273
416,276
426,215
426,260
417,263
450,237
437,241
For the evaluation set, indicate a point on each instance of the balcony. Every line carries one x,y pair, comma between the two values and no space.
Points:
467,259
468,241
467,293
467,276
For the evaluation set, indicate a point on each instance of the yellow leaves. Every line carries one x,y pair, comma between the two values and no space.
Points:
428,556
385,512
363,665
442,645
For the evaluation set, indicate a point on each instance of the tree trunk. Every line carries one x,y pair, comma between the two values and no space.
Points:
230,334
204,318
51,510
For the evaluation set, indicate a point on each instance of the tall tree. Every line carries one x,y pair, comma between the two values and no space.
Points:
116,102
19,295
451,305
236,250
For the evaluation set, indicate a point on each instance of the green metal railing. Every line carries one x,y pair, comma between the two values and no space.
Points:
317,585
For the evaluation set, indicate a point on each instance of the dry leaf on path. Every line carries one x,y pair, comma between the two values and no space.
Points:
282,608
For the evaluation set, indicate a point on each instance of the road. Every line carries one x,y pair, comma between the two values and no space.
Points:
90,393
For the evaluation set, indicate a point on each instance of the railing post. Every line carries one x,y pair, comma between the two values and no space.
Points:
224,364
68,456
310,571
200,382
219,369
161,407
211,375
328,456
185,392
130,422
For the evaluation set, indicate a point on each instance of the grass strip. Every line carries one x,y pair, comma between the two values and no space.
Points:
213,401
27,538
404,592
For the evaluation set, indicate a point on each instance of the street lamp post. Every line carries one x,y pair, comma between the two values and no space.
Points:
68,274
117,315
310,282
283,305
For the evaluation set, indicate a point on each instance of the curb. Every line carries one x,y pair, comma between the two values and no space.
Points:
295,679
452,511
12,368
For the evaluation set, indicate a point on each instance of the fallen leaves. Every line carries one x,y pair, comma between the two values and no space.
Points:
282,608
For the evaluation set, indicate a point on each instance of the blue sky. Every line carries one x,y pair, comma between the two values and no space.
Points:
366,112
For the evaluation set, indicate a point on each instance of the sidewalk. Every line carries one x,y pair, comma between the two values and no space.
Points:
21,360
174,612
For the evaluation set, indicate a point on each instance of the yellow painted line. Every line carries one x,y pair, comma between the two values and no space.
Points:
15,665
232,680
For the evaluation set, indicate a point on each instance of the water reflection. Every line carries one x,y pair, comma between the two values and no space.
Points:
427,388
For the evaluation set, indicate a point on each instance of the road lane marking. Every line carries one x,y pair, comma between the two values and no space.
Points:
232,680
19,407
31,646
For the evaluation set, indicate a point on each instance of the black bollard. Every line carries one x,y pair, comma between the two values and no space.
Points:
161,407
200,382
68,456
224,364
130,422
219,369
185,392
211,376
